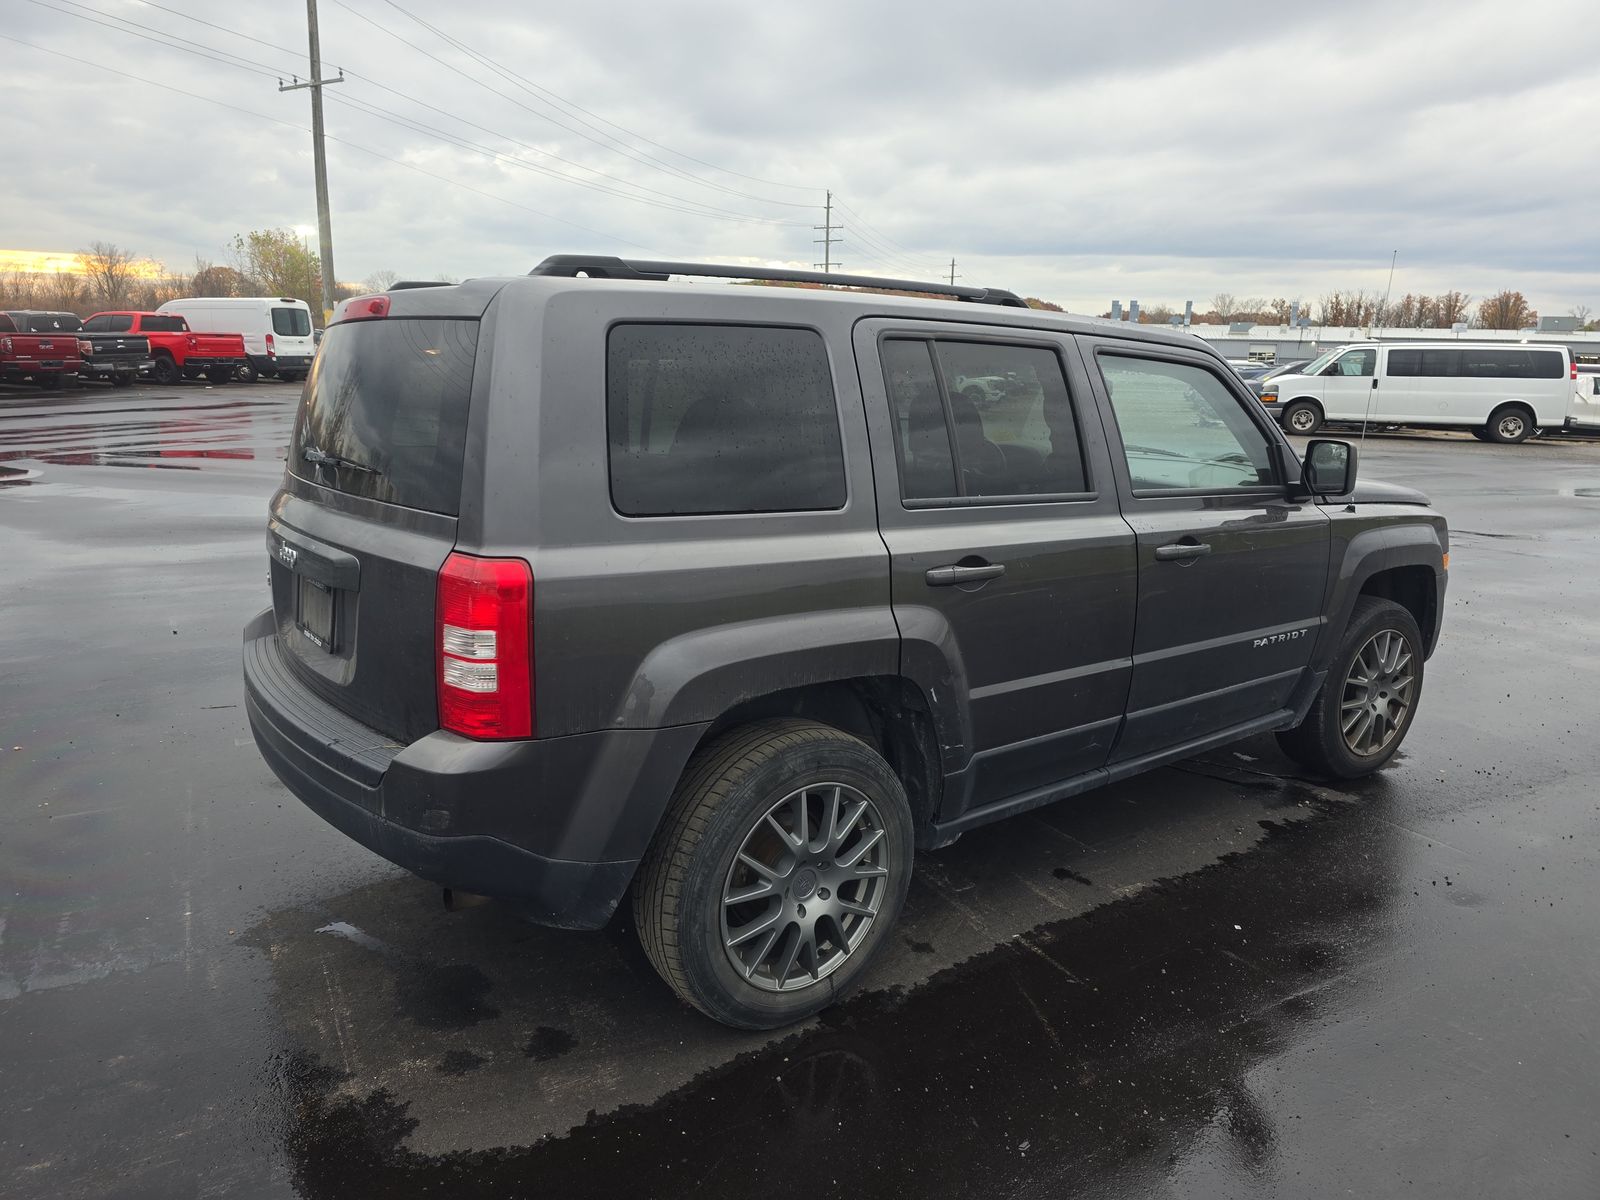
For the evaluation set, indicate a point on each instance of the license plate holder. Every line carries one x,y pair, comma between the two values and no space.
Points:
315,612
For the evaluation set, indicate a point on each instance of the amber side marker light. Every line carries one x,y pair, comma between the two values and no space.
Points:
1446,562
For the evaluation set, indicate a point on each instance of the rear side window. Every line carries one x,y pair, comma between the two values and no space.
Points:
1405,364
390,396
981,419
721,419
163,323
291,322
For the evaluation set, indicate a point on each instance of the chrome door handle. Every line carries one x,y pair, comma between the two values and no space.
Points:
1179,551
952,575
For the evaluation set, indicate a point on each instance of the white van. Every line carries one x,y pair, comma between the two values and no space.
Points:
1584,415
1500,392
277,330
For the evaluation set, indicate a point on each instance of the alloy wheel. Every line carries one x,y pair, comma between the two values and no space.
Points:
1378,693
805,887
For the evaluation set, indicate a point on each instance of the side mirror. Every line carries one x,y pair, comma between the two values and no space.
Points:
1329,468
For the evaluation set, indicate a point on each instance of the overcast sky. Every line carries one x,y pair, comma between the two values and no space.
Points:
1072,151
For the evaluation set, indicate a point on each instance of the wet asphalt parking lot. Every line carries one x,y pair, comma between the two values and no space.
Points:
1221,979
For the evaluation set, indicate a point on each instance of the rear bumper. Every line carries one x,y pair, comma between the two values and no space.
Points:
552,827
197,362
106,368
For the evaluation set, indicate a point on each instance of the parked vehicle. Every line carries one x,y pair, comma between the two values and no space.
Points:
276,329
1584,414
1501,393
1275,371
116,358
33,347
725,599
179,352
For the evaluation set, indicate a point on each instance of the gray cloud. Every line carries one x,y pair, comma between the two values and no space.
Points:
1072,152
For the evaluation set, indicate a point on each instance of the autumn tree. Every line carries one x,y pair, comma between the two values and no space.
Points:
213,279
108,274
275,262
1506,310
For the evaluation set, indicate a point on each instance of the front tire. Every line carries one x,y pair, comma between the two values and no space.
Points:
779,869
1511,424
1302,417
1368,701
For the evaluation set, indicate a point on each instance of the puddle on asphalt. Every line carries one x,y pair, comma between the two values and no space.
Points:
1099,1047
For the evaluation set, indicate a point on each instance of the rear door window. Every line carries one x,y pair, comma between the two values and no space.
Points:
721,419
981,420
163,323
291,322
390,396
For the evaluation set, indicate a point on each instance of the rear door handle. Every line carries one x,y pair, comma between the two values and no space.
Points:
1179,551
952,575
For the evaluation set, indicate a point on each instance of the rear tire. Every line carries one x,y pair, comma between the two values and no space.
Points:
1368,701
1511,424
219,374
166,371
122,380
733,829
246,372
49,382
1302,417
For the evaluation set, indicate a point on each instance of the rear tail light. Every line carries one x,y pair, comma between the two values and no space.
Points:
85,348
1574,370
484,642
366,308
271,353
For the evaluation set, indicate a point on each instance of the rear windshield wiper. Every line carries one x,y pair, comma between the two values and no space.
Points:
322,458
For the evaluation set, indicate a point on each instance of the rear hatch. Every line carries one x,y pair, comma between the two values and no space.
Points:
367,516
291,332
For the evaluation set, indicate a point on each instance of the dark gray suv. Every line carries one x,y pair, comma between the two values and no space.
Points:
589,585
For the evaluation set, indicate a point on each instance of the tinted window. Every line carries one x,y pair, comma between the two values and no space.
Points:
97,325
927,467
1441,364
1511,364
721,419
163,323
1015,435
48,322
1182,428
119,324
291,322
1405,364
391,395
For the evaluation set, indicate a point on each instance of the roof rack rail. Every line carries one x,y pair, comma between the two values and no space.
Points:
600,266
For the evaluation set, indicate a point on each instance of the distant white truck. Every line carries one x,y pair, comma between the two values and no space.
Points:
1584,415
1498,392
277,331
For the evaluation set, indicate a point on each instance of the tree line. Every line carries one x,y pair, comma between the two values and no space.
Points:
263,262
1503,310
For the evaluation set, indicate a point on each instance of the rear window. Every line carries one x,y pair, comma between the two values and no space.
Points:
159,323
50,323
390,395
291,322
721,419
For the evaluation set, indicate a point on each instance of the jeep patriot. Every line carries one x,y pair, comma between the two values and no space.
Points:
592,586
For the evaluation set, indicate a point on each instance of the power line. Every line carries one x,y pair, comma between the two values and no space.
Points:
573,106
167,87
864,228
696,207
627,152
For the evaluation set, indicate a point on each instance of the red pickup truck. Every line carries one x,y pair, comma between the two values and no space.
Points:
178,353
47,358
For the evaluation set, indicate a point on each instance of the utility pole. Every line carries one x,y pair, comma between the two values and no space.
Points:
827,241
953,275
319,154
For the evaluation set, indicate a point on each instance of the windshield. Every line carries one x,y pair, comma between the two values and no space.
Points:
385,412
1320,361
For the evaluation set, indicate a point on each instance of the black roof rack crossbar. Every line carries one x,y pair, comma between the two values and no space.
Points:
407,284
601,266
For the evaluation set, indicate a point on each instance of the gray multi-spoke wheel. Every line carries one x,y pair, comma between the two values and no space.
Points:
781,864
1377,693
1370,696
805,887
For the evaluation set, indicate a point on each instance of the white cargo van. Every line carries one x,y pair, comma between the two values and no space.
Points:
1500,392
1584,415
277,330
